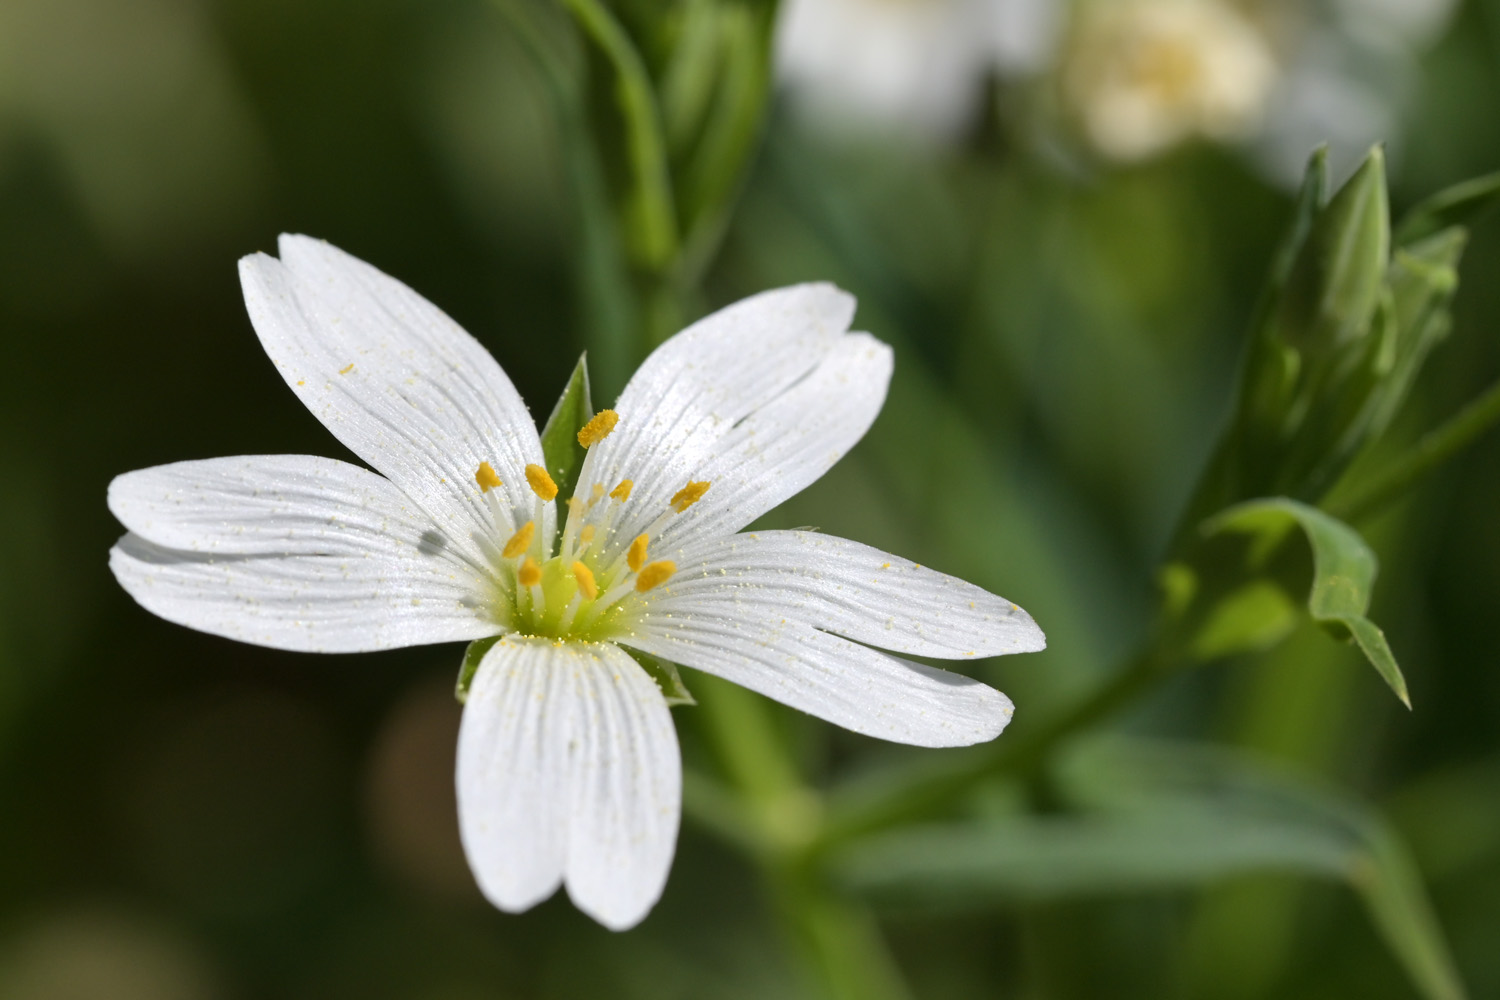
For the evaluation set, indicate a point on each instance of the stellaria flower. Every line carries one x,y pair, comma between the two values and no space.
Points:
1146,74
568,767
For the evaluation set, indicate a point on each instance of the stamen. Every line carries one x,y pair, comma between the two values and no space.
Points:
586,536
586,583
576,507
635,556
569,613
596,494
689,495
486,478
530,573
520,541
599,428
541,483
622,492
655,574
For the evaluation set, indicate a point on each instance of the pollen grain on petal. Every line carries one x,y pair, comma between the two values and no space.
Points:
486,478
622,492
541,483
586,584
347,368
520,541
635,556
655,574
689,495
598,428
530,573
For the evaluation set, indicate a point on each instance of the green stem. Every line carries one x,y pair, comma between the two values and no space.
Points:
602,272
1435,448
652,223
772,815
840,942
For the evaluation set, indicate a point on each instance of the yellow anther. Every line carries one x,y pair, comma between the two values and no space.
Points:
635,556
655,574
530,574
586,585
688,495
586,535
520,541
598,429
622,492
596,494
486,478
541,483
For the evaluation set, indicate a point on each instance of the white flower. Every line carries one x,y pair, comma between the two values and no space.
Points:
917,64
1146,74
568,768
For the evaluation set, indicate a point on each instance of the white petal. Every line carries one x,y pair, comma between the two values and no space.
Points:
279,505
692,391
627,792
397,381
568,770
857,591
830,677
348,603
512,777
789,443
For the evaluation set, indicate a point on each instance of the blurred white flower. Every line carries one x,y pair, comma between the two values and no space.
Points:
912,64
1349,74
568,768
1144,75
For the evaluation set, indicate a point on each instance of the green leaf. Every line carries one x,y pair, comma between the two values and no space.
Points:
1181,846
666,676
1156,817
1343,572
470,666
1453,206
560,445
1252,617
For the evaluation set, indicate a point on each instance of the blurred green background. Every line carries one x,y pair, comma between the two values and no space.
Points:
185,817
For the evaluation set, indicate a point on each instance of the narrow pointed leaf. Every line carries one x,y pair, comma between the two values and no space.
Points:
1157,817
1454,206
1344,571
560,437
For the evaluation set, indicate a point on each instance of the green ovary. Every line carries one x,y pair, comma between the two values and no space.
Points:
563,612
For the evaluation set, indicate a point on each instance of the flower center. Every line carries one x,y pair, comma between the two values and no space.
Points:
591,587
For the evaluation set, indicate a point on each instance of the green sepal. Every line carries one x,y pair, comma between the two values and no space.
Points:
1310,201
1308,377
470,666
1343,572
560,447
1452,206
1334,281
666,676
1422,280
